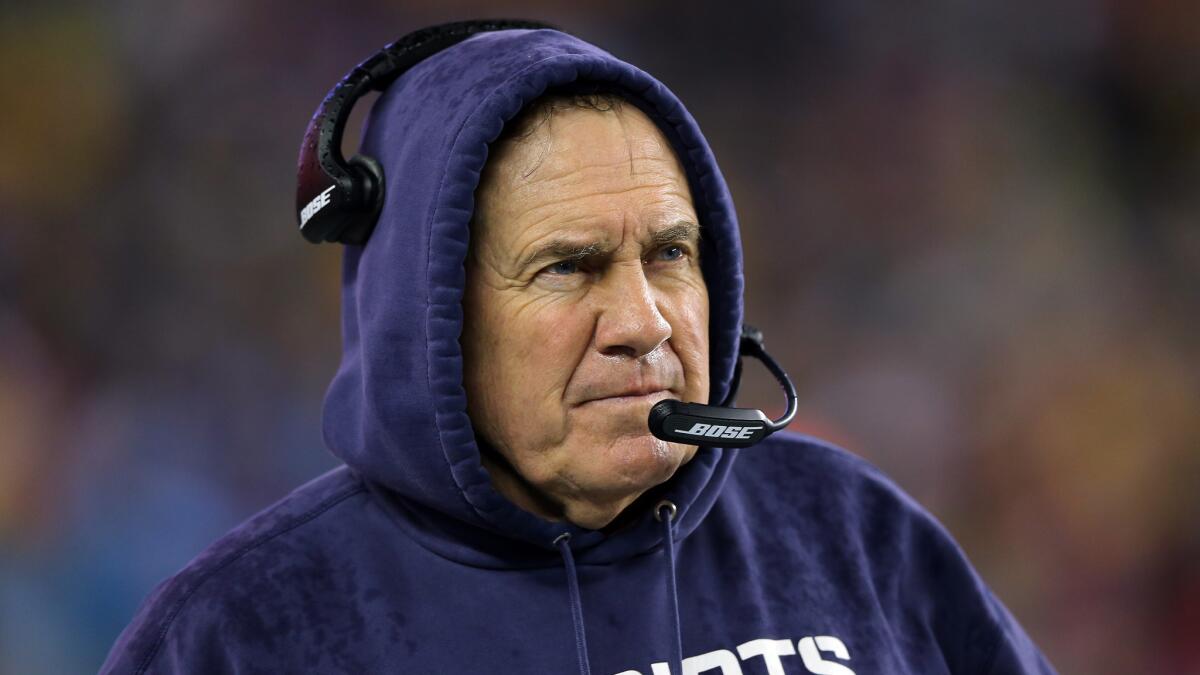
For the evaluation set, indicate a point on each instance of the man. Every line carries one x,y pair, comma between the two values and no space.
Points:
589,306
546,266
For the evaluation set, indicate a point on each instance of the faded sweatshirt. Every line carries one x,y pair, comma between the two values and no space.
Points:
788,557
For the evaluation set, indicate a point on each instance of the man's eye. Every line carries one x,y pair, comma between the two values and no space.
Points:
563,267
672,253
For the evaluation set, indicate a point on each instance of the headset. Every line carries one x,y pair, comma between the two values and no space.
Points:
724,426
339,201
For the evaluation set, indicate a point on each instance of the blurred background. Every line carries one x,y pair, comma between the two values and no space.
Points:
972,234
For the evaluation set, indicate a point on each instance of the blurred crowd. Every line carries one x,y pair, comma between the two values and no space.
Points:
972,234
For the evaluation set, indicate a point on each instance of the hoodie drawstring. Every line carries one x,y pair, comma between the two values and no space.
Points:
665,513
564,547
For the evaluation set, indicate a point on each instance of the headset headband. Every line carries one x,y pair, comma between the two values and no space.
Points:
339,200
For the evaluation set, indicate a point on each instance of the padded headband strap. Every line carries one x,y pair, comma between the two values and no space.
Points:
336,199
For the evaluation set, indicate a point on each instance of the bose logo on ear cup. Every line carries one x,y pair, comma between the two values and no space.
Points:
319,202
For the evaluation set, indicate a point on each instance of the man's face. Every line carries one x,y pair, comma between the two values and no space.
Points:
584,307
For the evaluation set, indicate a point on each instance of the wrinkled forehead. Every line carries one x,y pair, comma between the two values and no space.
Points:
568,163
558,131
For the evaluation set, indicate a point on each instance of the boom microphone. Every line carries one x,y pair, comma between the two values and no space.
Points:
722,426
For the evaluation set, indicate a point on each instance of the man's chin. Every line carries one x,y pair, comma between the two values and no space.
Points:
622,472
639,462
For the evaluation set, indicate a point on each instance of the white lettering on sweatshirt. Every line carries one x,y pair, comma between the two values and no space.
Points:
812,651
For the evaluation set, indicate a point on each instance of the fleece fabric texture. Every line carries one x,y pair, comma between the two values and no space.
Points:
795,558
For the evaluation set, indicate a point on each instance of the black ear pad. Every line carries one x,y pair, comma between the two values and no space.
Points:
368,183
339,200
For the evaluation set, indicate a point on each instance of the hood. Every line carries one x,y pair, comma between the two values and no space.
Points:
396,411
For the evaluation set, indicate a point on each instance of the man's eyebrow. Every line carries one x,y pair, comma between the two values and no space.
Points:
683,230
561,249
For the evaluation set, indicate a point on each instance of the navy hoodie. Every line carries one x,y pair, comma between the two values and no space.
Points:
788,557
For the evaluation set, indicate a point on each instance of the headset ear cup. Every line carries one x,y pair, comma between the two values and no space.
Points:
368,199
368,174
339,200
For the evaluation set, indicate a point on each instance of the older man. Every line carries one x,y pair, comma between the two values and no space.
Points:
556,252
587,307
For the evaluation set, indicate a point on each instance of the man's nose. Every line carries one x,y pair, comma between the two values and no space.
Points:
630,323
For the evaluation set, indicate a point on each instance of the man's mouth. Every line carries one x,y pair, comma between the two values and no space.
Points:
631,397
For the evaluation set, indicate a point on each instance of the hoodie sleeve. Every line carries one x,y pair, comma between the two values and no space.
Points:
169,637
1014,653
937,583
231,609
888,555
976,633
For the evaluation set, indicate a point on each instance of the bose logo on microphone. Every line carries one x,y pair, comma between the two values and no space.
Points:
718,431
319,202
